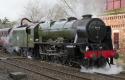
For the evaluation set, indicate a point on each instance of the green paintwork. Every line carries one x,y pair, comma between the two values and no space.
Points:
58,29
31,38
42,33
19,38
46,35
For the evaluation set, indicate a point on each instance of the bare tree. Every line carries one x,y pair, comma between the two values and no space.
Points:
58,12
33,11
78,8
37,10
6,23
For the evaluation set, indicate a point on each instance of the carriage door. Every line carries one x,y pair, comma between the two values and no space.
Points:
116,40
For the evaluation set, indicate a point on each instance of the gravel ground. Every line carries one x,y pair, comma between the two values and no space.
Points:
4,75
5,69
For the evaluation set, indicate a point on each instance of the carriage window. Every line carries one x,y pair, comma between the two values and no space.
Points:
116,40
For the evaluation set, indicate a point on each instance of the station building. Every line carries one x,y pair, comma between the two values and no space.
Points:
114,16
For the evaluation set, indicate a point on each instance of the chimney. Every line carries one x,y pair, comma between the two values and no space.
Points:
87,16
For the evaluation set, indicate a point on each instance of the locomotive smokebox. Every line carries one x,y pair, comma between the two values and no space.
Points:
91,29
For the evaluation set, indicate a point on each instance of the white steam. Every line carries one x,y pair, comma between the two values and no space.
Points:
114,69
9,46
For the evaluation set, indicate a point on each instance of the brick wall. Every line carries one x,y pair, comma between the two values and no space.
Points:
117,23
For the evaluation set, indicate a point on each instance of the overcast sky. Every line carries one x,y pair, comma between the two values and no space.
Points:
12,9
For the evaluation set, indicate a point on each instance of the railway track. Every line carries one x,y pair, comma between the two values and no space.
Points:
53,71
113,77
46,72
120,76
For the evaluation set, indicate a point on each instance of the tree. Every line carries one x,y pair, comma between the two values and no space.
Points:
58,12
33,11
78,8
6,23
38,10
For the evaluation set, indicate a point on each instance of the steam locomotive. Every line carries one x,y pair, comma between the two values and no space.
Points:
85,42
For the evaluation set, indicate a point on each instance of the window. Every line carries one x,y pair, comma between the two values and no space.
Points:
122,3
116,40
114,4
109,5
117,4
